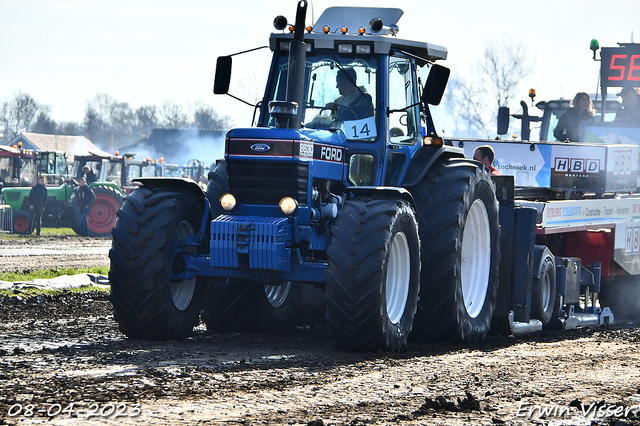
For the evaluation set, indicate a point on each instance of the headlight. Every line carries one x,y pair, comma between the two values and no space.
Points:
288,205
228,202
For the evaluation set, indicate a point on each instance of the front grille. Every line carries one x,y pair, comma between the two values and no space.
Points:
267,182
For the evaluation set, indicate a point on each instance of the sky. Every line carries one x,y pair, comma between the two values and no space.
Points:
63,52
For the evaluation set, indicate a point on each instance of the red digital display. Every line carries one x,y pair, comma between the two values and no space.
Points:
621,65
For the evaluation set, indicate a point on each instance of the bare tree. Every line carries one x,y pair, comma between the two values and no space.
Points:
108,120
146,120
44,124
497,77
70,128
18,114
206,118
171,115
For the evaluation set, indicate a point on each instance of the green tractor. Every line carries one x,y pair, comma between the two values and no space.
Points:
60,210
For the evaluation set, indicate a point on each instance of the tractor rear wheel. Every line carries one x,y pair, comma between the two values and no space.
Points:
21,222
147,304
373,275
102,216
460,236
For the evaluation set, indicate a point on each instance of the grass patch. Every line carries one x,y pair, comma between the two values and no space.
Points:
44,232
50,273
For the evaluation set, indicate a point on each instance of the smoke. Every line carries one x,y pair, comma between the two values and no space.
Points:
179,146
622,295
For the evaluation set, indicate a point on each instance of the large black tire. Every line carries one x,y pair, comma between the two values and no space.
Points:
545,303
373,274
460,236
102,216
20,222
622,295
146,303
247,306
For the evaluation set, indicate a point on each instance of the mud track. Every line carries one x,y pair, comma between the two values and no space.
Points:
63,361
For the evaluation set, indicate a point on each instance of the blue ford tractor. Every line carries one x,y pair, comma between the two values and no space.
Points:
344,186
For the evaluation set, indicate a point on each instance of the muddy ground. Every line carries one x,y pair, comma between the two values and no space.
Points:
63,361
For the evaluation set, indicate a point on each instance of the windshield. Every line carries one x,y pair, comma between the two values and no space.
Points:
338,93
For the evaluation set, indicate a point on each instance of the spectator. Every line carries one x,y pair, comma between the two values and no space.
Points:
580,109
37,203
486,156
88,174
83,197
630,111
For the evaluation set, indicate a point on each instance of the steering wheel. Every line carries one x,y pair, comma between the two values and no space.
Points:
340,110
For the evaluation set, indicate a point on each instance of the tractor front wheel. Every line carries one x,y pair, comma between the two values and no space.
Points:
373,274
147,303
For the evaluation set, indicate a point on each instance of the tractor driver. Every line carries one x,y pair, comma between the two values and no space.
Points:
354,103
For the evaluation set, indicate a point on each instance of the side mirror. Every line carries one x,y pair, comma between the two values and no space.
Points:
503,120
435,85
223,75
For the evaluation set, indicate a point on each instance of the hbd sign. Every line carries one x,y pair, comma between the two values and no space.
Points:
577,165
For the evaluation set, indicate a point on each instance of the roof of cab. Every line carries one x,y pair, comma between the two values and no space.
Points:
354,18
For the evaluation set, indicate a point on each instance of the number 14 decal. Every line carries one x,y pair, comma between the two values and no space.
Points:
361,129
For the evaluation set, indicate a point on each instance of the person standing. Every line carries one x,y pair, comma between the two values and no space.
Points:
486,156
83,197
37,203
581,109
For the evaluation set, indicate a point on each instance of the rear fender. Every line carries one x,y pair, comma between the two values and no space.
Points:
110,185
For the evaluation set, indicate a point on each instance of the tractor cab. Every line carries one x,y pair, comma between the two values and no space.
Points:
17,166
358,94
53,167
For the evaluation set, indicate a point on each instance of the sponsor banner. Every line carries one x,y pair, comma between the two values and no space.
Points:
580,167
531,168
590,212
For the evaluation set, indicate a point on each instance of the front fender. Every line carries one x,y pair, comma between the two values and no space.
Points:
188,185
381,191
425,158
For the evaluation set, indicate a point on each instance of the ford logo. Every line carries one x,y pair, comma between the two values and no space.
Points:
260,147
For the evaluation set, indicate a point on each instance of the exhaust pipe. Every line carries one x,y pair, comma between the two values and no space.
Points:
289,113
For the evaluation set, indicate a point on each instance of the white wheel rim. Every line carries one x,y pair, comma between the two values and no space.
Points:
182,292
277,294
398,277
476,258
